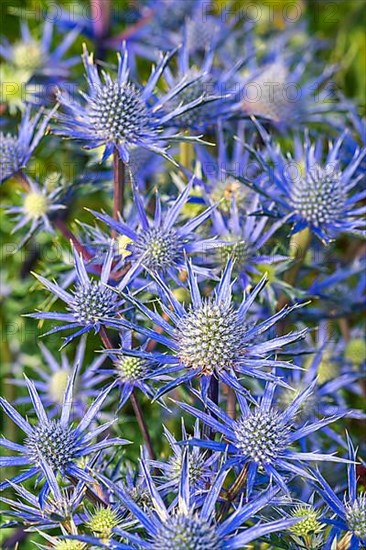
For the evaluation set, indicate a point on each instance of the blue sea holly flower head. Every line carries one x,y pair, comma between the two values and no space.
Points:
90,304
160,245
207,82
211,337
53,375
40,203
349,512
16,150
327,365
219,173
131,372
202,465
117,114
246,237
37,56
192,525
263,436
55,446
315,191
280,91
27,509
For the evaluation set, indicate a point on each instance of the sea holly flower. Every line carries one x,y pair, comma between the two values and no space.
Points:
15,151
55,446
280,93
202,466
206,82
350,512
27,509
39,205
328,367
131,372
89,302
246,237
316,192
117,114
53,376
37,56
263,436
102,520
211,337
189,525
160,245
220,173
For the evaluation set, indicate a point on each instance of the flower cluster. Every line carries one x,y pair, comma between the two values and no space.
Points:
194,262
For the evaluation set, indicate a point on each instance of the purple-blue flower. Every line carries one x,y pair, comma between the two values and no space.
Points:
350,511
160,244
15,151
55,446
37,56
312,187
119,114
211,337
263,436
90,304
189,524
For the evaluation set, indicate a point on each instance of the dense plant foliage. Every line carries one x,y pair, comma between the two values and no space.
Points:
184,277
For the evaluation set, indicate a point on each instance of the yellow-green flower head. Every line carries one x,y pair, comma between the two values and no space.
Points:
102,521
69,545
226,191
131,369
57,385
35,204
310,523
27,55
355,351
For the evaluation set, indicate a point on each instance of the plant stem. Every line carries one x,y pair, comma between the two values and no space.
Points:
213,390
119,175
213,394
299,245
186,154
231,402
142,424
69,235
134,402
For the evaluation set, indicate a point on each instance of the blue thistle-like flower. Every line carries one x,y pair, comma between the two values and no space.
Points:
263,436
202,466
48,515
280,91
118,114
185,526
39,205
15,151
350,513
91,303
37,56
160,245
318,195
205,82
131,372
211,337
54,375
53,446
220,175
245,238
332,372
